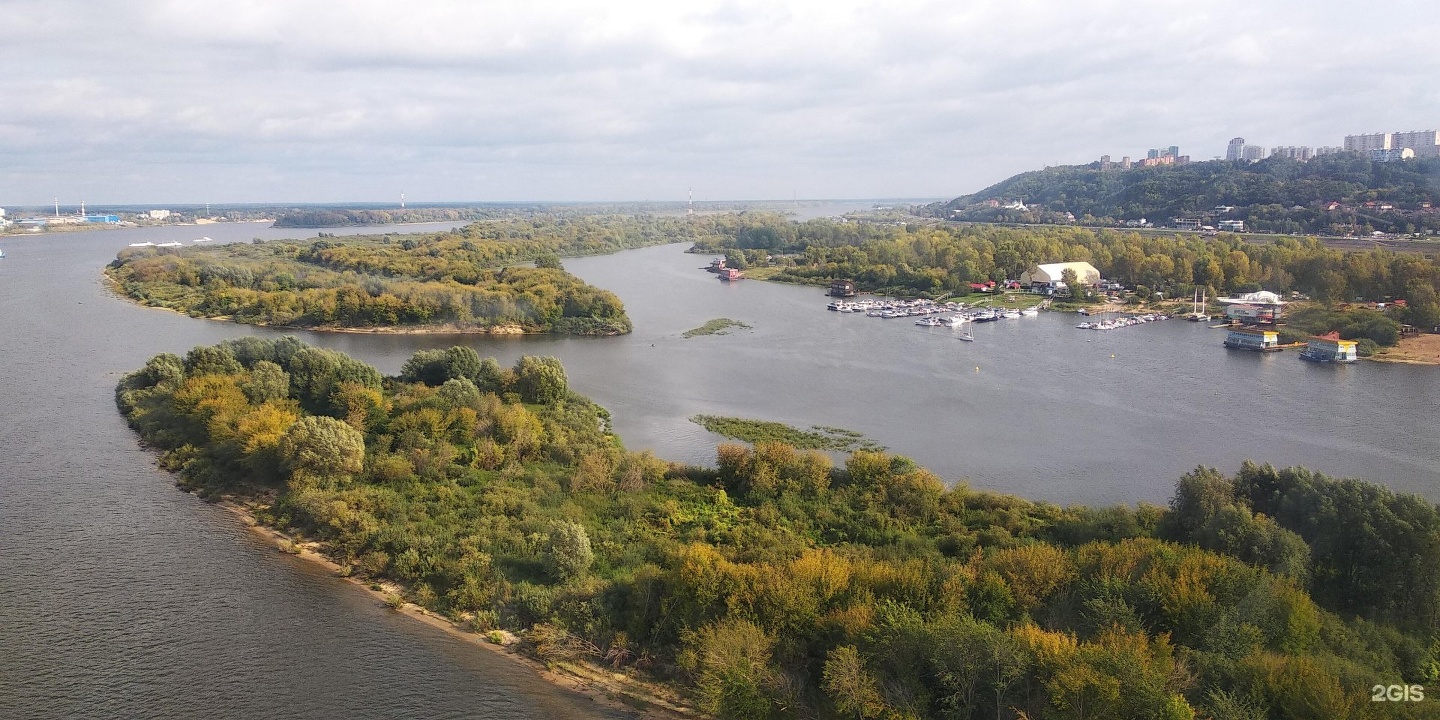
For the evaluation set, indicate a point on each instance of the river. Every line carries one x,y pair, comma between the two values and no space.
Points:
120,596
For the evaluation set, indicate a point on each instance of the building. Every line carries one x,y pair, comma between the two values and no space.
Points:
1425,143
1391,155
1188,224
1330,348
1235,150
1328,150
1366,143
842,288
158,214
1252,153
1247,339
1230,226
1294,152
1125,163
1051,274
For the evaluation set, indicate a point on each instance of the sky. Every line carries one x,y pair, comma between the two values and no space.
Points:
290,101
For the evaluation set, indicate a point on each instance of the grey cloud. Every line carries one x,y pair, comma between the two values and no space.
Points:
310,100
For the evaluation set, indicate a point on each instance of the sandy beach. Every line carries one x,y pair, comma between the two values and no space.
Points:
1415,350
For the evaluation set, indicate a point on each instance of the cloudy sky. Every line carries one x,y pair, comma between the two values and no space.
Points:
154,101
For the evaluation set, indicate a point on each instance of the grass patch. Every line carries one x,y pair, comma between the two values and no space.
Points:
718,326
818,437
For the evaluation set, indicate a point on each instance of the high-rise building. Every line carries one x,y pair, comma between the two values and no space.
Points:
1425,143
1173,151
1366,143
1252,153
1235,150
1328,150
1125,163
1152,153
1294,152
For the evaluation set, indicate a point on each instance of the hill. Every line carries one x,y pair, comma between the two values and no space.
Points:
1337,194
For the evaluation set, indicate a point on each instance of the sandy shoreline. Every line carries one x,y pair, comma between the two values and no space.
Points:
1413,350
604,686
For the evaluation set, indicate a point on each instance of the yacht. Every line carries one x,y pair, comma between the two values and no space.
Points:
143,244
1030,312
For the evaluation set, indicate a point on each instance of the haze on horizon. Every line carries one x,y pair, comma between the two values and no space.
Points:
158,101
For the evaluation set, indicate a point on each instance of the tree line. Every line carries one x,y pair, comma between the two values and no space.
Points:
779,584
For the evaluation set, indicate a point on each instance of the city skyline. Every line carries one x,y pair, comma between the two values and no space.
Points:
164,102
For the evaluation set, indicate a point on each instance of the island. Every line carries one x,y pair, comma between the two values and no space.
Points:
498,276
781,584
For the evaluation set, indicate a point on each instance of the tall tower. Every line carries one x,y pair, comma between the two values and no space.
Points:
402,201
1236,149
57,207
690,208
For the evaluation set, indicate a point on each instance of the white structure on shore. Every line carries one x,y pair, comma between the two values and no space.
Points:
1050,274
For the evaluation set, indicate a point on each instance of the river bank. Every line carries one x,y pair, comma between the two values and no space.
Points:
607,687
1413,350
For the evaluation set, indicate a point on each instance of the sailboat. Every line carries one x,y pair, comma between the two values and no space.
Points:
969,335
1198,311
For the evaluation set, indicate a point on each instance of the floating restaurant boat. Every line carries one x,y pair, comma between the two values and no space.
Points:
1330,348
1257,340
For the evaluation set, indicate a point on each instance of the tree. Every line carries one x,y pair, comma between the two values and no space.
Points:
540,380
1072,282
850,685
322,446
568,550
731,662
266,383
209,360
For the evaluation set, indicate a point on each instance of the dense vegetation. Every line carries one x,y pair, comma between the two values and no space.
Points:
780,586
465,279
818,437
347,217
1274,195
718,326
936,259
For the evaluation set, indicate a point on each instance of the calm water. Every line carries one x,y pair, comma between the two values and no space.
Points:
120,596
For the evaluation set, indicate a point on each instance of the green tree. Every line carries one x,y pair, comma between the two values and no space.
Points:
568,550
322,447
540,380
267,382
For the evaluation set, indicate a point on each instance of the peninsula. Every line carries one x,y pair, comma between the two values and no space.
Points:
779,584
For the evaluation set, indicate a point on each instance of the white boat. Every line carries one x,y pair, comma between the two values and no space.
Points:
205,239
969,335
1012,314
142,244
1030,312
2,254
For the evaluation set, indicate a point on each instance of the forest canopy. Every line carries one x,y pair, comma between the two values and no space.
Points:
780,584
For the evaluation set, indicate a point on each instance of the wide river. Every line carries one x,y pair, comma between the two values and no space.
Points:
122,597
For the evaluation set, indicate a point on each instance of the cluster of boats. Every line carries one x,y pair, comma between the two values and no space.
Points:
1120,322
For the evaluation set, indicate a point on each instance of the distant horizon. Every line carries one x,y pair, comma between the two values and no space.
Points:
409,204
